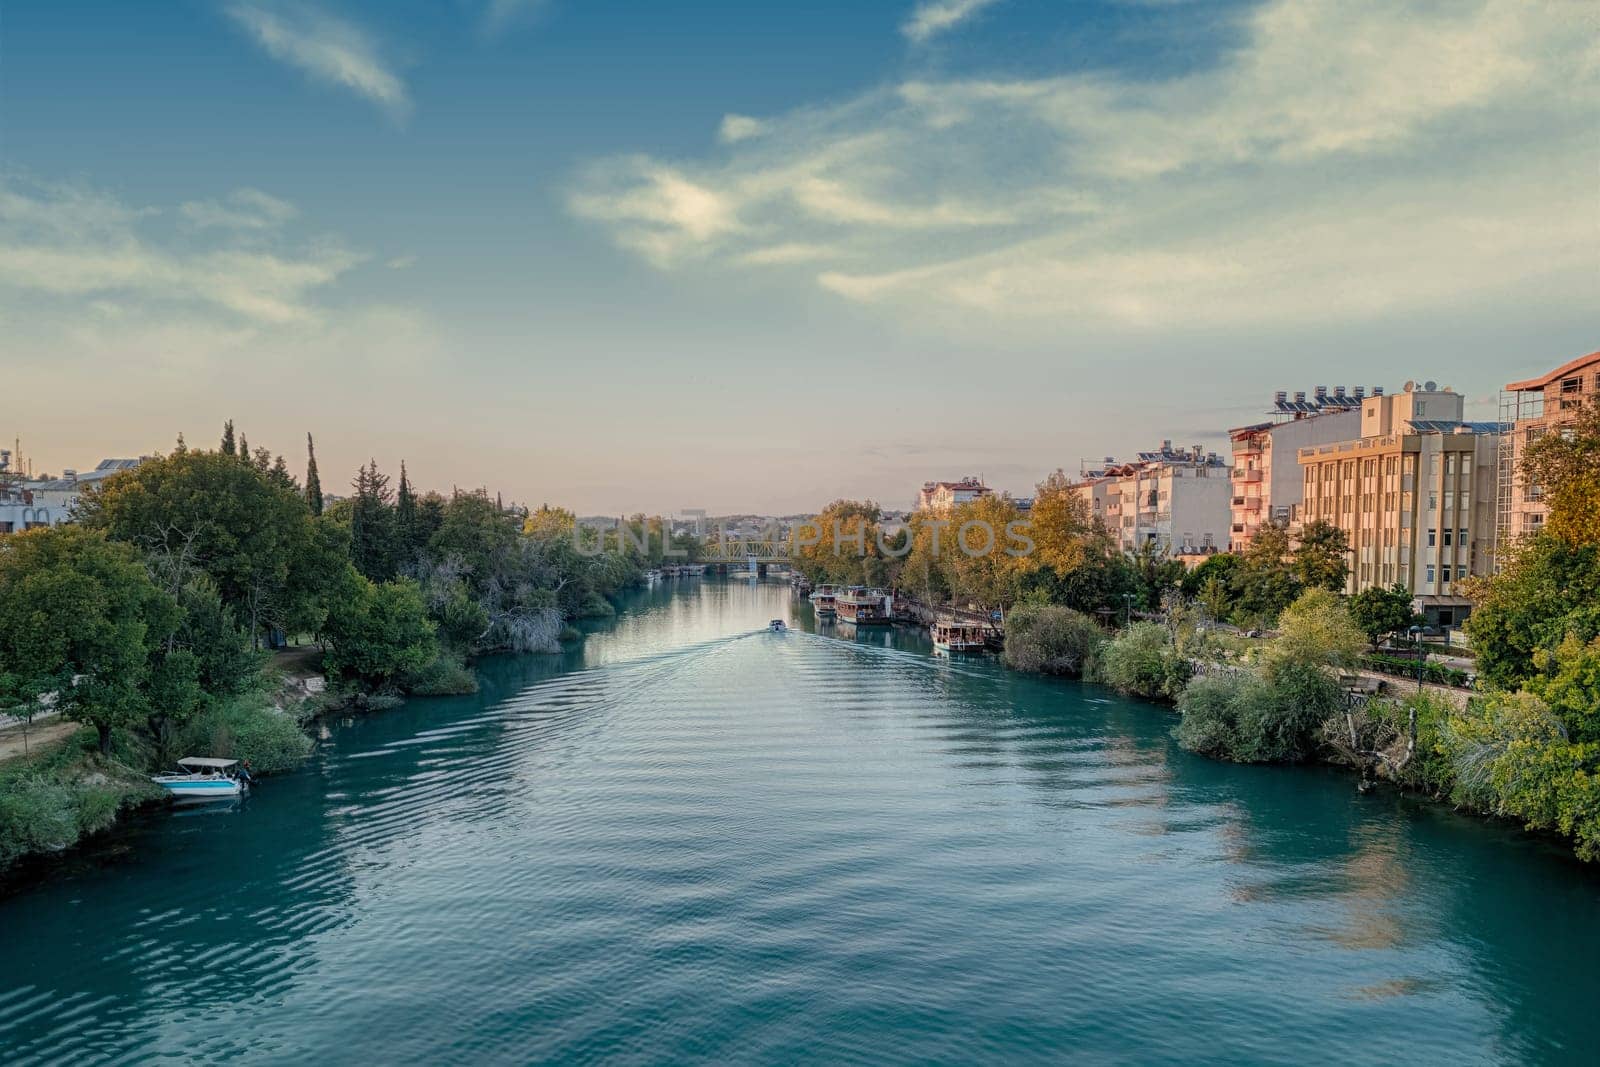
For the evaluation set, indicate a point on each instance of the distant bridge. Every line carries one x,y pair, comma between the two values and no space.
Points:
737,551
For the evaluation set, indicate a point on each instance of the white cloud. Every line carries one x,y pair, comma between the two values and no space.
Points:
501,15
1347,159
933,17
328,49
401,262
739,128
242,209
72,242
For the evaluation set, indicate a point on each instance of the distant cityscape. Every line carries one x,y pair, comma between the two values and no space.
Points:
1423,495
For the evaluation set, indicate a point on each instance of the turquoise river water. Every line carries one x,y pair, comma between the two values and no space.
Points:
693,840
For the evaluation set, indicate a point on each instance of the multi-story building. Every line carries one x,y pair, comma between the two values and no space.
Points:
1266,489
940,497
1176,499
1533,407
48,501
1414,493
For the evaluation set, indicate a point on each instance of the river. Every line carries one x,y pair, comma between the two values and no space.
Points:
690,839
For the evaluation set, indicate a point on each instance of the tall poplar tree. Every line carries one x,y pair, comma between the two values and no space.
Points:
313,483
228,446
405,518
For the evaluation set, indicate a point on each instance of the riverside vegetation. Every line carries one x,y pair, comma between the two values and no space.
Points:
1524,746
148,618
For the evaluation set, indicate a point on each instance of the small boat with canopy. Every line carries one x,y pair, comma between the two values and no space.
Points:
205,778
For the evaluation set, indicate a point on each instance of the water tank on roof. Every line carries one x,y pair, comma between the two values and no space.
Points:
1338,391
1431,386
1361,391
1281,396
1300,396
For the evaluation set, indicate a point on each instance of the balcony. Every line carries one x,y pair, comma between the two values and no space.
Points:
1247,476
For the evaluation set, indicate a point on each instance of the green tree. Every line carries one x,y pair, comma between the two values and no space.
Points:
1051,639
372,528
313,481
1317,630
228,448
1568,681
82,625
405,519
378,632
1321,559
1264,582
1220,566
1547,589
243,531
1378,611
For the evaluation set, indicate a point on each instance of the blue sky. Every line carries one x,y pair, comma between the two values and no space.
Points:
653,256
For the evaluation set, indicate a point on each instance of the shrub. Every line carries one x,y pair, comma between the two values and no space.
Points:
1210,707
1051,639
248,729
1141,660
1274,716
445,676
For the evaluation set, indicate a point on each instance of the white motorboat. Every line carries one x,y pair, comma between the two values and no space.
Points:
205,778
778,626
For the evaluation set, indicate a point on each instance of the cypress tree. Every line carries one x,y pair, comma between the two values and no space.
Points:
244,448
405,517
228,447
313,483
181,447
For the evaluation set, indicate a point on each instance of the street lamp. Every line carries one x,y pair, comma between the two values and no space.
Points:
1422,654
1127,610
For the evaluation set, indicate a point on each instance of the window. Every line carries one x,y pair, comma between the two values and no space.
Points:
1430,574
1450,464
1572,385
1433,534
1433,501
1461,571
1446,538
1461,537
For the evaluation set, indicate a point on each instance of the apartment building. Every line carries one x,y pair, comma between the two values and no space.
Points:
1533,407
940,497
1414,493
1174,498
1266,489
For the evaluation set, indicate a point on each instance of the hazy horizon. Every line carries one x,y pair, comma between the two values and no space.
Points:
638,258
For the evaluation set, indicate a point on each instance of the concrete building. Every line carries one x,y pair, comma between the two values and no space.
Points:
940,497
1176,499
48,501
1266,464
1533,407
1414,493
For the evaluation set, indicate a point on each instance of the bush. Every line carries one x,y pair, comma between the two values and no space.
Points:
1050,639
1275,716
1210,706
248,729
1141,660
51,799
1512,757
445,676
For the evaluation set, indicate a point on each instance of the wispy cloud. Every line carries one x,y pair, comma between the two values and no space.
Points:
242,209
739,128
502,15
933,17
71,242
1349,158
328,49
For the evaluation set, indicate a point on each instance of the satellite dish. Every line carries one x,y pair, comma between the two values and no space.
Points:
1410,385
1432,386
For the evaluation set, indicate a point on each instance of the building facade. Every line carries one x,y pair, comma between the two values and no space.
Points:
1534,407
1414,494
1176,499
1266,455
49,501
940,497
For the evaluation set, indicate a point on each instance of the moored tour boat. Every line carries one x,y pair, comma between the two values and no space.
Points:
862,606
205,778
823,601
957,637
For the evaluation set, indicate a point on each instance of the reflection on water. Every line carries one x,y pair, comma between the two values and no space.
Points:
691,838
